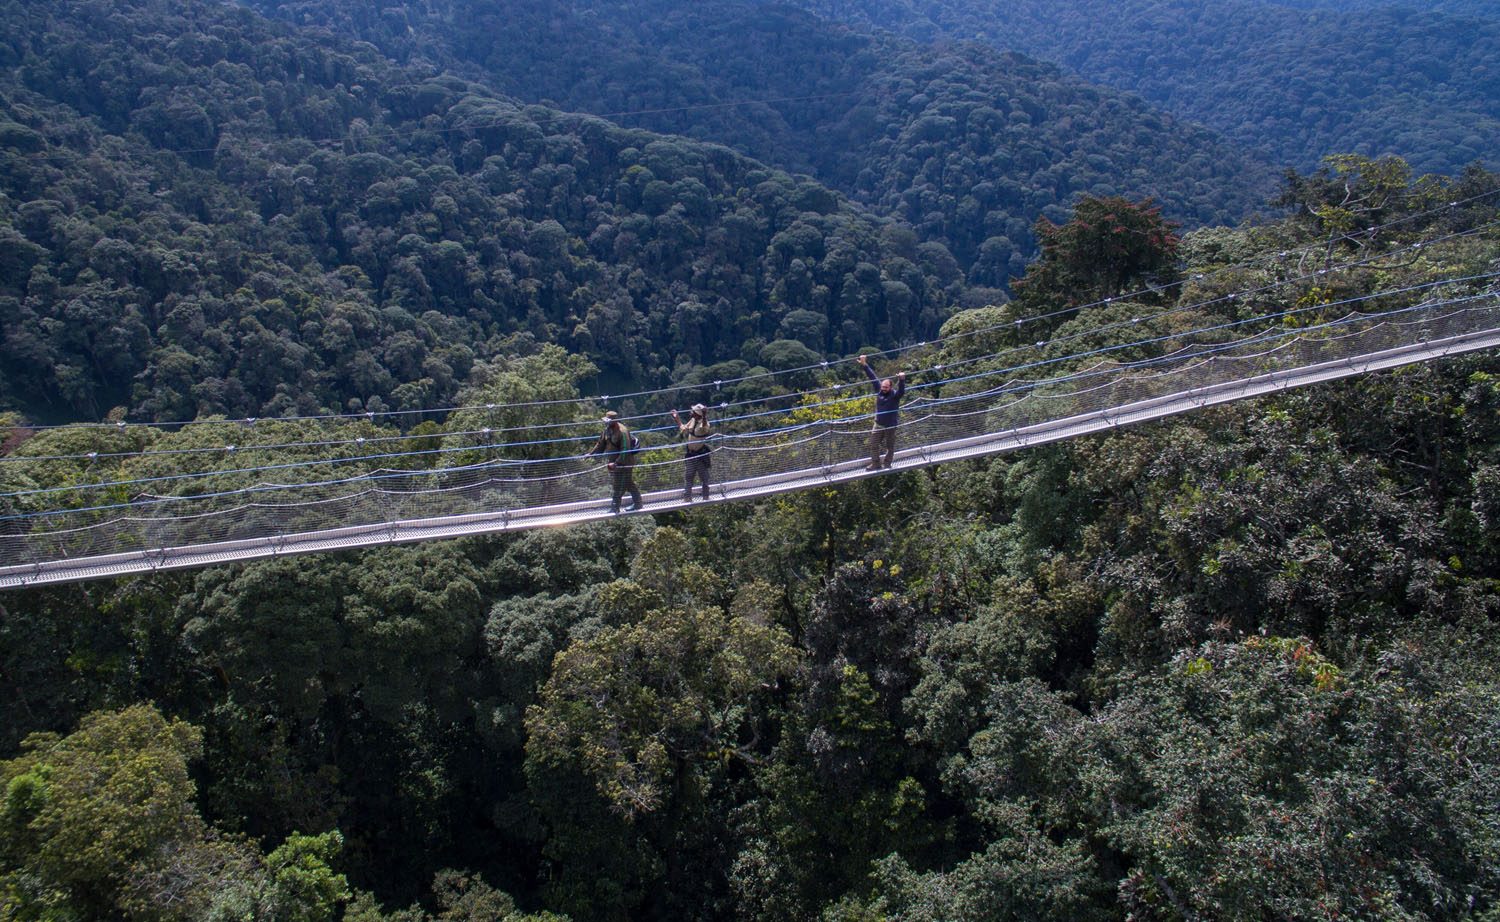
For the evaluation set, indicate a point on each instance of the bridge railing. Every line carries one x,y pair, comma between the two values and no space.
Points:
975,417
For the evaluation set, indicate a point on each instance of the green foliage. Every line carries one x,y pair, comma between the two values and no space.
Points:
1028,630
309,889
634,733
862,638
1259,786
454,235
100,824
1020,875
643,708
965,146
1355,76
1237,665
88,814
512,396
460,897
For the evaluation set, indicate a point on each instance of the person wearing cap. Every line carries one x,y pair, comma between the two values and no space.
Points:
887,415
614,445
698,453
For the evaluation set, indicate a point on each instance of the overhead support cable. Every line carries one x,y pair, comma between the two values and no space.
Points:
398,507
774,432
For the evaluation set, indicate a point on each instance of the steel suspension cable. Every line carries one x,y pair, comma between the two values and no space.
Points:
939,383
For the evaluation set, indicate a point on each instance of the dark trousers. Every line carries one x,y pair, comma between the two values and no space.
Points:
622,478
697,466
882,438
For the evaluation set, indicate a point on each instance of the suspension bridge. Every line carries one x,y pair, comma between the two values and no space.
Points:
965,413
113,507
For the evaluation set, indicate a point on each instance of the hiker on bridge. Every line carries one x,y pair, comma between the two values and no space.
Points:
619,449
698,452
887,415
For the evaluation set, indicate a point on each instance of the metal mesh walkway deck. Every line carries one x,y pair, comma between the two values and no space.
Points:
949,424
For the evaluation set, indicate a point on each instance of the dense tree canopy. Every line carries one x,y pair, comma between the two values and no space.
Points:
966,145
1417,80
254,271
1237,665
1240,664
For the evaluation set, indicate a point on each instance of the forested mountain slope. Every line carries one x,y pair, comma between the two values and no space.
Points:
1296,84
966,144
205,212
1480,9
1239,665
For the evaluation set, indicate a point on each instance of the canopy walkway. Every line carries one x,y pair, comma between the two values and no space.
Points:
966,410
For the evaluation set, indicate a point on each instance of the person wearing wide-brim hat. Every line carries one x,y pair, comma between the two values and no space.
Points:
697,431
614,444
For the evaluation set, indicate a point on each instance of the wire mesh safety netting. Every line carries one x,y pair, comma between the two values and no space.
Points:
948,418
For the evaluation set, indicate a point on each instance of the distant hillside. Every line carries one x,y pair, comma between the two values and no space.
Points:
207,212
1368,78
967,144
1477,9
